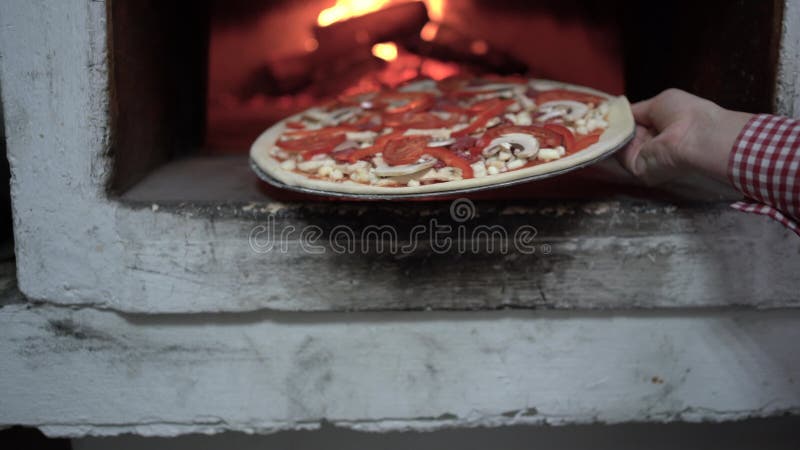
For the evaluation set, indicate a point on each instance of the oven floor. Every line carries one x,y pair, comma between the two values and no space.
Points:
209,180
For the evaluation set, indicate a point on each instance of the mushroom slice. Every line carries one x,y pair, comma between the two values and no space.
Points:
420,86
361,136
433,133
346,145
319,116
569,109
491,150
523,145
405,169
441,143
495,88
343,114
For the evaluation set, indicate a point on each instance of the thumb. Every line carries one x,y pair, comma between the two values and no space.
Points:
647,158
630,157
642,112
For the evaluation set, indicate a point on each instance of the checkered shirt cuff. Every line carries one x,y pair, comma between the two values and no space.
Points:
765,166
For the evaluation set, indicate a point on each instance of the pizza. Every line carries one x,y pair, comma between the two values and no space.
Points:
450,135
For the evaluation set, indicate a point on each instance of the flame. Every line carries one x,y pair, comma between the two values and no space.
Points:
345,9
435,14
386,51
435,9
438,70
428,32
479,47
310,44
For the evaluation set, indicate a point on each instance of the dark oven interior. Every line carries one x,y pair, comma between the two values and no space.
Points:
203,79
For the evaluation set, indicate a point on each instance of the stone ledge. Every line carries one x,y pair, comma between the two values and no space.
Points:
89,372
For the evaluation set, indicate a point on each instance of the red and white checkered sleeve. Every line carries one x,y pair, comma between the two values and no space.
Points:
765,166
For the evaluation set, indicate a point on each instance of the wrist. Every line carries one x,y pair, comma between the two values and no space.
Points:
714,135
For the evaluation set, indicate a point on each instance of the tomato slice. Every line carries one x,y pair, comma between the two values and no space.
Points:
547,138
363,153
405,102
295,125
566,94
313,144
449,105
491,110
567,136
377,147
406,150
343,155
483,105
308,154
354,99
368,122
422,120
451,159
584,141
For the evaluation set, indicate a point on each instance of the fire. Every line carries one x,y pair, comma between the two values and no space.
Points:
386,51
428,32
479,47
435,9
346,9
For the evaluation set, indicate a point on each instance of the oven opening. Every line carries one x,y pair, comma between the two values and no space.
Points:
275,61
195,86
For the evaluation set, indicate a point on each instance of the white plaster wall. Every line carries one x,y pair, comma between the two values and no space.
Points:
90,372
77,372
787,92
75,246
54,73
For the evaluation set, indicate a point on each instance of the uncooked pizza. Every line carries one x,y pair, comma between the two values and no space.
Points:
451,135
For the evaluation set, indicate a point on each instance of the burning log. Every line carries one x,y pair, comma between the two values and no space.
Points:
455,45
332,79
390,24
343,54
285,76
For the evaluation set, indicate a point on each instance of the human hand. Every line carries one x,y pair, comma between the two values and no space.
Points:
678,132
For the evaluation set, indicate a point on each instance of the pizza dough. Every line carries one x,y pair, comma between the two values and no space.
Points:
613,119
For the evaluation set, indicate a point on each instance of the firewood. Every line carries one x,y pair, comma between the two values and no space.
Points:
389,24
455,45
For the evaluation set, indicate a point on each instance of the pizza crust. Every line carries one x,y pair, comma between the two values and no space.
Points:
621,127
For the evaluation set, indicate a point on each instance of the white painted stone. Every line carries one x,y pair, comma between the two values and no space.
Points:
89,372
92,372
787,96
77,246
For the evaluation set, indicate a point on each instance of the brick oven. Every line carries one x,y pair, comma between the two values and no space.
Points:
166,290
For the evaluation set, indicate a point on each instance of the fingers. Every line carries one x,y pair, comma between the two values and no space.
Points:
662,125
666,108
642,112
